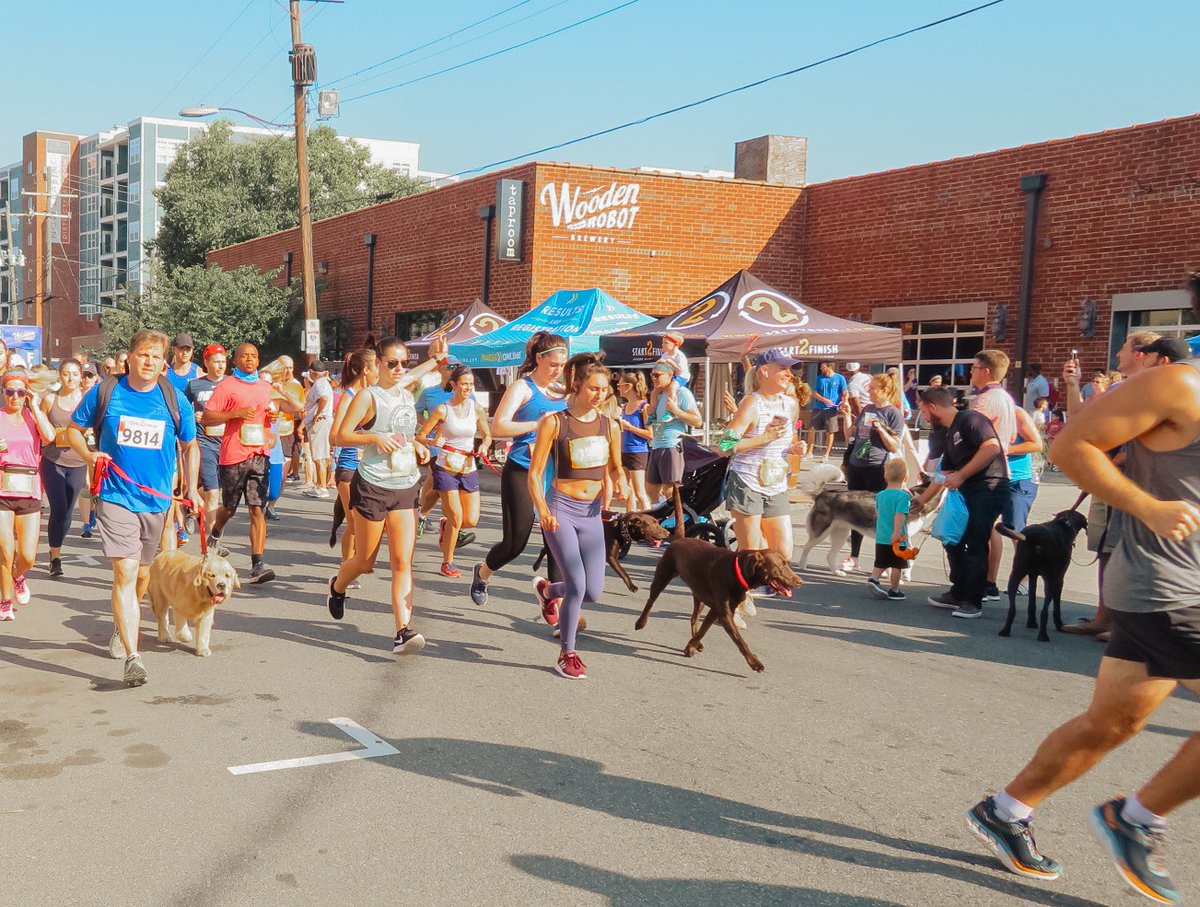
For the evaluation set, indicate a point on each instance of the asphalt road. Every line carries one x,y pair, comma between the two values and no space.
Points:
839,776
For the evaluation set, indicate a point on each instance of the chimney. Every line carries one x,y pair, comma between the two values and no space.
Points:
779,159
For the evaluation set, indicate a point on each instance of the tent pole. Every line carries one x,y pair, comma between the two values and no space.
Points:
707,398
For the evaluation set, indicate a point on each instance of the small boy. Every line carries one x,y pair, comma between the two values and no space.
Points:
671,352
891,524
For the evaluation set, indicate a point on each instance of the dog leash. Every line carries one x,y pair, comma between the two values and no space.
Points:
105,466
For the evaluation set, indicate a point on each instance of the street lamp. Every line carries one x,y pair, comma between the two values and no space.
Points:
204,110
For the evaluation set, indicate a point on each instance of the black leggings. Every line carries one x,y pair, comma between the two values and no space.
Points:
863,478
63,485
516,520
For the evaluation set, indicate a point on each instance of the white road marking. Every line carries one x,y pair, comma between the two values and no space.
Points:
373,748
86,559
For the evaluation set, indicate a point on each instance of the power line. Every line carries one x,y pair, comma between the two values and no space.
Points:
724,94
272,25
202,56
496,53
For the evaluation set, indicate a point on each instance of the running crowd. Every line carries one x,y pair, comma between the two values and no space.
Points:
160,440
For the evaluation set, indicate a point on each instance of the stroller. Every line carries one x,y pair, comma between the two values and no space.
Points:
702,491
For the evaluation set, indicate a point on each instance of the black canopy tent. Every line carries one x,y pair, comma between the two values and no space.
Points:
473,321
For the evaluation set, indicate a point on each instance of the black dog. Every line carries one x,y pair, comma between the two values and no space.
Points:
1044,550
621,530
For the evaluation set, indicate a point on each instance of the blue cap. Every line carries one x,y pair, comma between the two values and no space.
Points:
775,356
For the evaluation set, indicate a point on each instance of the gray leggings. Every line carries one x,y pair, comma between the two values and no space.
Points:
577,546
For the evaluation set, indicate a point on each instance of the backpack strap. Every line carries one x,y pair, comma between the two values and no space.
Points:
172,400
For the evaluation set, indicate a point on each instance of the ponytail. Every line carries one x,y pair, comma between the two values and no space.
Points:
582,366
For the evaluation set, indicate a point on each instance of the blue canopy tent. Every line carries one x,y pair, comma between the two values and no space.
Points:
581,316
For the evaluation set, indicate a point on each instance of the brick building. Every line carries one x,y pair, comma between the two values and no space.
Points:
936,248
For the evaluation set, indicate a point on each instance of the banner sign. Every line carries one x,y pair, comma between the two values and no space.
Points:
510,220
603,214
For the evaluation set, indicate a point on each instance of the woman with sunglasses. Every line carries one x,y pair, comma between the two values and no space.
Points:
535,393
23,430
382,420
64,472
635,438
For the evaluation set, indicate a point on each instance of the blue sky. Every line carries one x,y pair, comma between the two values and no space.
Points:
1023,71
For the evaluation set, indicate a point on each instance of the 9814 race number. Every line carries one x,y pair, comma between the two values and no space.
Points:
145,434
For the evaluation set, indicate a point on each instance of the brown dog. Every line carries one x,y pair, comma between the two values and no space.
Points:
620,531
191,587
719,579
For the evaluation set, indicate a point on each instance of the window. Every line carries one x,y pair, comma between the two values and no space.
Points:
944,347
135,151
135,232
135,193
411,325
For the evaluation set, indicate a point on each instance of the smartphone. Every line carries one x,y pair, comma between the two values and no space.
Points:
1075,357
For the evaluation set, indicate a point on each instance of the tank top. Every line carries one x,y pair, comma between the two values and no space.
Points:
631,443
581,449
531,410
395,414
1020,466
456,437
59,452
765,469
347,457
24,452
1147,572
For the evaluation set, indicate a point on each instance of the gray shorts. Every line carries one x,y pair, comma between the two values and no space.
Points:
318,440
125,534
741,498
665,466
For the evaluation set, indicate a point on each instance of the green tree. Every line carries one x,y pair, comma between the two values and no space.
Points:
211,304
221,190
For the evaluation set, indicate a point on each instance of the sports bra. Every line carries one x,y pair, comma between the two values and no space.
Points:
581,449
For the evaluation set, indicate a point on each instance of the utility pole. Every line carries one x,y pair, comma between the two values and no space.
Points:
304,74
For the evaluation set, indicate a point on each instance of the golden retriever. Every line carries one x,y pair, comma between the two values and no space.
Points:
192,587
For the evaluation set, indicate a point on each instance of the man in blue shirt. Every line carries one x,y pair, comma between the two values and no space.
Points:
829,392
137,433
182,369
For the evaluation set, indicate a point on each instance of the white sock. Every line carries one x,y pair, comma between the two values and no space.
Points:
1010,809
1134,812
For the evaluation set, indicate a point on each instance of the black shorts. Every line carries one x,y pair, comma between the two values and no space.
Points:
635,459
886,559
21,506
665,466
248,477
1166,642
344,474
374,503
822,417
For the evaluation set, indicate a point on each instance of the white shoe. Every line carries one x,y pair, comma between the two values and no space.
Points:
849,565
738,622
21,590
747,606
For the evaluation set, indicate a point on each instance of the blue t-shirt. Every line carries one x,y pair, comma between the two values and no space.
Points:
631,443
430,399
669,428
181,381
144,447
198,391
831,387
888,503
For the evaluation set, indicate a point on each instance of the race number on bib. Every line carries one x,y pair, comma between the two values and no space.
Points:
589,452
215,431
145,434
772,471
60,437
402,463
252,434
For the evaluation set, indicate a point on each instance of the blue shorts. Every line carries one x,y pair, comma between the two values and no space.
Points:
444,480
1022,493
209,478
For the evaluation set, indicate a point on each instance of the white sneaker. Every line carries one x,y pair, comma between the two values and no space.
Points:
737,621
747,606
21,589
849,565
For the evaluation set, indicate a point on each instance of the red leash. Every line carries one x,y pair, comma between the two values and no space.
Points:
105,465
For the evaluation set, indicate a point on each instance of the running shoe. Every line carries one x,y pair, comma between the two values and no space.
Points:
293,479
88,528
450,570
970,612
135,671
875,587
313,492
407,642
747,605
991,593
896,595
270,514
1012,842
56,566
571,666
116,649
945,600
424,525
21,590
737,620
6,610
335,601
261,574
1136,851
849,565
464,539
479,589
541,588
181,535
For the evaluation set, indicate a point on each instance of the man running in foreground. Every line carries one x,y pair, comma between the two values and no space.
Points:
1151,586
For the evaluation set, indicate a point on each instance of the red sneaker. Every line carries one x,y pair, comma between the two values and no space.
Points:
450,570
571,667
541,588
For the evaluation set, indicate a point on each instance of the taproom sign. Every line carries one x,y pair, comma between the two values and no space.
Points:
604,214
510,220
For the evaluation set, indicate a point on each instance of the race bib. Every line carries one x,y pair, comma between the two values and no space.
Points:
588,453
287,426
144,434
215,431
60,437
252,434
457,462
16,482
403,462
772,471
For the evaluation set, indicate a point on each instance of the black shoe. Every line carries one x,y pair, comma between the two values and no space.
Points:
896,595
270,514
336,601
464,539
945,600
991,593
1012,842
407,642
260,574
86,532
1136,850
56,566
479,589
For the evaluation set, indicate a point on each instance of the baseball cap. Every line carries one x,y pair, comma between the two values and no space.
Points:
213,349
1171,347
775,357
183,339
319,365
853,366
89,369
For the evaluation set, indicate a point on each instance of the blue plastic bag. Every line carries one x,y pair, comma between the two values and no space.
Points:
950,524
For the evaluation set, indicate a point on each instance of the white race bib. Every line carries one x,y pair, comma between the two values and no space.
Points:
215,431
287,426
588,453
772,471
144,434
403,462
252,434
16,482
457,462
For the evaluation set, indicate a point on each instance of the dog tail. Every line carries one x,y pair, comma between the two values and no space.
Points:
814,482
339,517
1009,532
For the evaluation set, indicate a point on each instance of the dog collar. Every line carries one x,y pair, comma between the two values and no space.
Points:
737,571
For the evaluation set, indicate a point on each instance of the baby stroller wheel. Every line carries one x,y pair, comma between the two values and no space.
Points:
707,532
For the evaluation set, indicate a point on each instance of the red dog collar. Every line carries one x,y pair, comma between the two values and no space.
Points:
737,571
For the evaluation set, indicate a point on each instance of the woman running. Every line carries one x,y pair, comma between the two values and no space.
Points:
382,419
456,423
64,472
23,430
584,445
762,434
635,438
877,432
523,404
360,369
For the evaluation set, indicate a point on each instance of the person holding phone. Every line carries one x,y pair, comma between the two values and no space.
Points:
875,436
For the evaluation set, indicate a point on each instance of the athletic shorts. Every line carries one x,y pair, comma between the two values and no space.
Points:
665,466
344,474
1166,642
210,477
1021,495
374,503
318,440
444,480
635,460
125,534
822,417
248,477
21,506
741,498
885,558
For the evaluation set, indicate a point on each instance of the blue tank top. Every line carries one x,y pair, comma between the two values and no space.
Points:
347,457
1020,466
531,410
631,443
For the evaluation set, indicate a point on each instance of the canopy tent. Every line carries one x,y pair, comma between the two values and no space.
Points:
743,317
471,322
581,316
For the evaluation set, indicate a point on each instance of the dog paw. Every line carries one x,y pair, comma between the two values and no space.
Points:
184,634
640,624
689,651
699,647
756,666
632,588
165,638
1005,632
204,653
1031,625
1043,637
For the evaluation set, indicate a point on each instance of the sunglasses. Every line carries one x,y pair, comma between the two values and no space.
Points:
395,363
15,392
